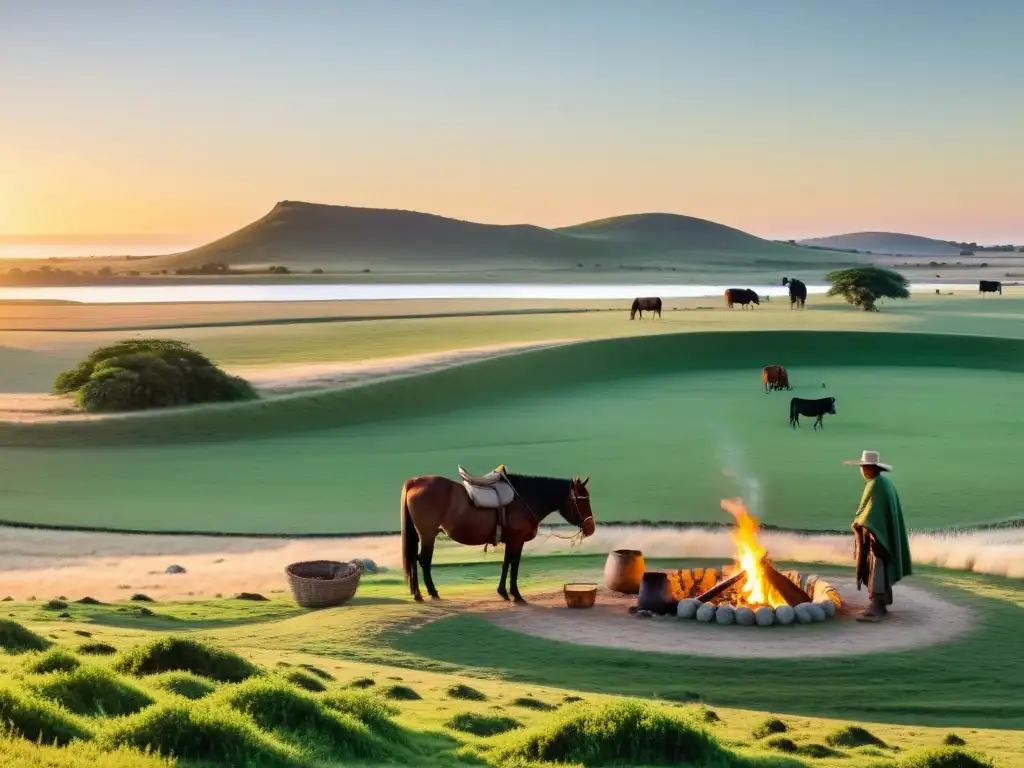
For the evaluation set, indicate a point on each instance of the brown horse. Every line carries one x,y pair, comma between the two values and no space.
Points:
432,503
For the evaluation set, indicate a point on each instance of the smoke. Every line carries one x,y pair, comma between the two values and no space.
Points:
730,457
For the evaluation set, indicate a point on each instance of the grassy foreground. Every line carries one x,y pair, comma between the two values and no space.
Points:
385,681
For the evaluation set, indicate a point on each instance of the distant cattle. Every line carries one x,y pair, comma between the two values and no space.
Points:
797,292
741,296
799,407
775,377
990,286
650,303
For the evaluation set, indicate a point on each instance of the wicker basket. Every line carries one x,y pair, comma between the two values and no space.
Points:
580,595
323,583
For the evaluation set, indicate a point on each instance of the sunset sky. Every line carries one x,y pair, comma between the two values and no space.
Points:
786,118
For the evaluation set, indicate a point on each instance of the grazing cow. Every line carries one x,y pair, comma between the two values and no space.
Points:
797,292
650,303
741,296
775,377
799,407
990,286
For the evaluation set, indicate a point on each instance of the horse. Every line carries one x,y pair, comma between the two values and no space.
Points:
432,503
743,296
799,407
797,292
650,303
775,377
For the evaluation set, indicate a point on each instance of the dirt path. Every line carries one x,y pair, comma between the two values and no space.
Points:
919,618
32,407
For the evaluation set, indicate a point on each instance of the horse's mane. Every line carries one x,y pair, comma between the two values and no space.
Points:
541,493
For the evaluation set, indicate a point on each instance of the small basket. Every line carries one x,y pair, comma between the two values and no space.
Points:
323,583
580,597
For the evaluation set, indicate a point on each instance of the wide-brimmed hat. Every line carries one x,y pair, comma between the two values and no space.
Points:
869,459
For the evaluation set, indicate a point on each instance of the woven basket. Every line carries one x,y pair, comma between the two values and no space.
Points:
323,583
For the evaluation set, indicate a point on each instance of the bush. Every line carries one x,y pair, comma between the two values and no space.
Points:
183,654
91,691
482,725
148,373
56,660
97,649
528,702
769,727
853,736
36,720
952,740
945,757
464,693
402,693
863,286
323,674
370,711
627,732
183,684
276,706
14,638
362,682
303,680
192,731
17,752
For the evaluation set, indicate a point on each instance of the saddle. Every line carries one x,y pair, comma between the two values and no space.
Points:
490,491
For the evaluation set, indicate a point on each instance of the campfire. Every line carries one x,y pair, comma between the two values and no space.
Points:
752,581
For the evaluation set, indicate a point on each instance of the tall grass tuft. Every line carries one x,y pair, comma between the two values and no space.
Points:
465,693
482,725
54,660
15,638
300,718
97,649
945,757
15,751
195,731
769,727
183,654
303,680
851,736
631,732
91,690
183,684
370,711
35,719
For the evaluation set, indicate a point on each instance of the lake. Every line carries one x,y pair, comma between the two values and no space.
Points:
173,294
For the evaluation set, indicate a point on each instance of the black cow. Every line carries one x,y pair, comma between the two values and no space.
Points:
797,292
799,407
741,296
990,286
651,303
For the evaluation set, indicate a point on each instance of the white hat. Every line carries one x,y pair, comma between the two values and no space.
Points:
868,459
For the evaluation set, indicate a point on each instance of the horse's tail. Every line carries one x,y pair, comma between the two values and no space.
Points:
410,545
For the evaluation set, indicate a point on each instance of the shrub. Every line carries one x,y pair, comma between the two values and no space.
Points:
482,725
37,720
863,286
952,740
91,691
782,744
54,605
276,706
853,736
303,680
402,693
148,373
631,732
24,754
945,757
769,727
323,674
528,702
183,684
56,660
362,682
465,693
97,649
370,711
183,654
15,638
193,731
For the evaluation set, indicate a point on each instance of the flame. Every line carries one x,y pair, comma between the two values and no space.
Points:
756,590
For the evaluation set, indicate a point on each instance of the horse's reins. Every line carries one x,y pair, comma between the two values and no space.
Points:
578,536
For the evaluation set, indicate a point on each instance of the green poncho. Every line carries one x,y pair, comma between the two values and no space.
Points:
880,513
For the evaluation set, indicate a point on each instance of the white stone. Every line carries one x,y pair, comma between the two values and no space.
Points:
687,609
828,606
765,616
803,613
745,617
705,613
784,615
817,612
725,614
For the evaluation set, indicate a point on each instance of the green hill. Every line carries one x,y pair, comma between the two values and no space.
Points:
889,243
343,238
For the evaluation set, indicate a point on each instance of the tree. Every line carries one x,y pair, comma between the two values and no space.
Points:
863,286
149,373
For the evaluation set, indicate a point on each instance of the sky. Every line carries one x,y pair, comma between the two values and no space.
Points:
785,118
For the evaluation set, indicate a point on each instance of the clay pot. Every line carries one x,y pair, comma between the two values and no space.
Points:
656,594
623,570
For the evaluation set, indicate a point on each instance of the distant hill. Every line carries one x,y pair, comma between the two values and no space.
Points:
343,238
889,243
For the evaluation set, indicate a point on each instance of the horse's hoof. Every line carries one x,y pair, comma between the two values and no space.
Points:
418,598
504,596
435,596
520,600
